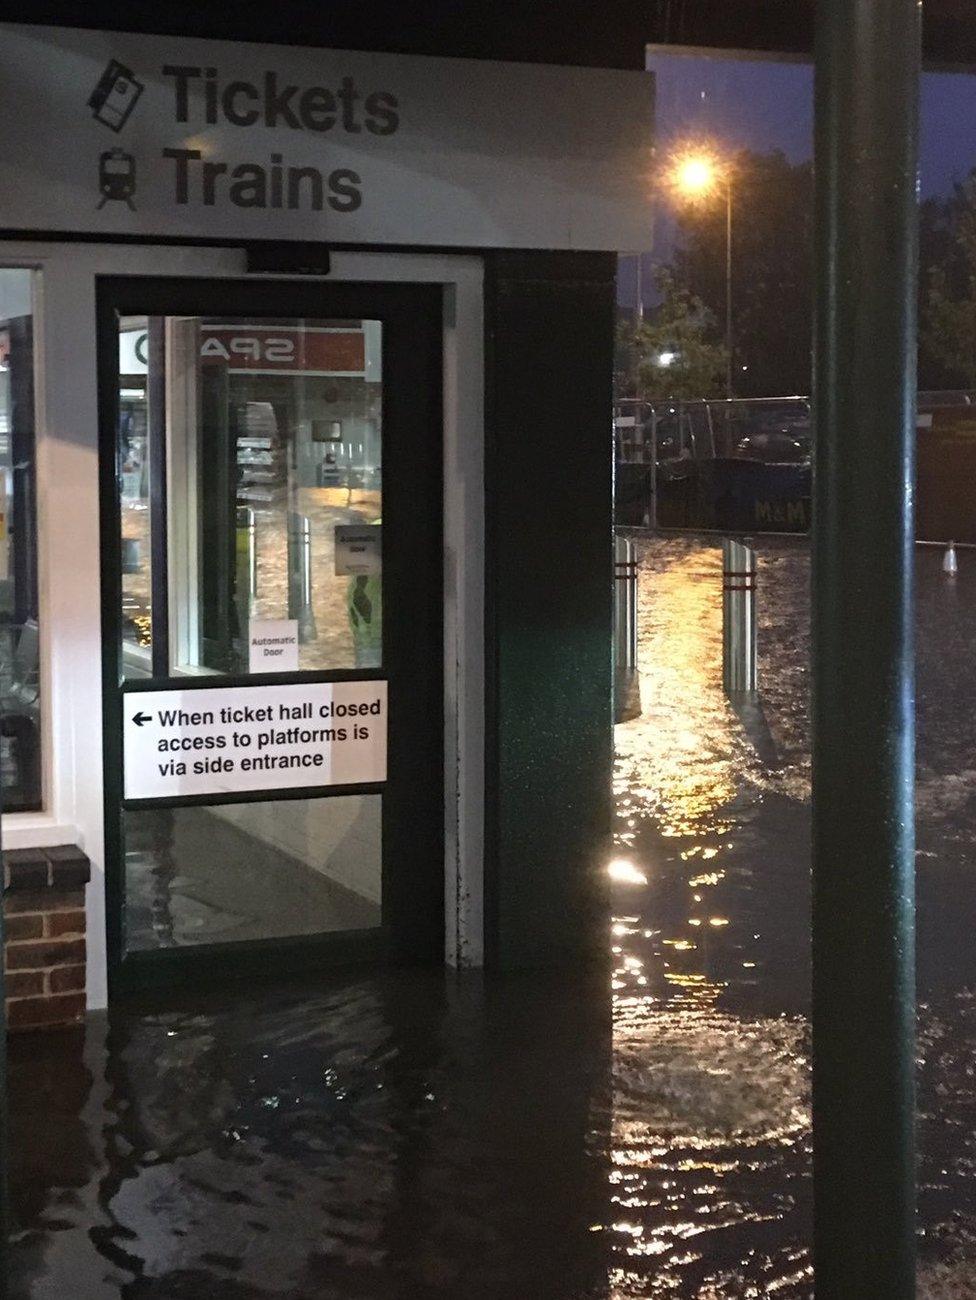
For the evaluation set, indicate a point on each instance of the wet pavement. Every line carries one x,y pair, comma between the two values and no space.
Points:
332,643
420,1135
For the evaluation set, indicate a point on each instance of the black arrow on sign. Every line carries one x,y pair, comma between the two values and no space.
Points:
140,718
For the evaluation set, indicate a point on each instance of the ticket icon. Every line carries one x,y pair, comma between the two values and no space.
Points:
115,96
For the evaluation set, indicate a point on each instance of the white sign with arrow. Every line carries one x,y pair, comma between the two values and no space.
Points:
234,739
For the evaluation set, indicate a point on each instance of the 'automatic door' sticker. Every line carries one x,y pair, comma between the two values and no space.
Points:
115,96
116,178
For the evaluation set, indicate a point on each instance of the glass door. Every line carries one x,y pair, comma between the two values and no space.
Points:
272,623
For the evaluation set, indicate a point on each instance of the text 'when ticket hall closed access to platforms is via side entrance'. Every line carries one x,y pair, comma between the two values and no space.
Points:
238,739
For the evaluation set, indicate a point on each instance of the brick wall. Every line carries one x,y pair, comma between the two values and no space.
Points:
44,949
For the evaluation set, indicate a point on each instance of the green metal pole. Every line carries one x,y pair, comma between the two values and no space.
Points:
867,74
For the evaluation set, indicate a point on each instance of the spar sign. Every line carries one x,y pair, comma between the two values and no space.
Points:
335,352
276,349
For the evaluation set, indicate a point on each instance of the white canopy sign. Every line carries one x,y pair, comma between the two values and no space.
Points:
119,133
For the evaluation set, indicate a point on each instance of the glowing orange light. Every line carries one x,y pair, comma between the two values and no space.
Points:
695,175
624,872
696,172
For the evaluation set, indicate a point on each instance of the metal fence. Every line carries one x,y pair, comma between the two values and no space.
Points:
736,465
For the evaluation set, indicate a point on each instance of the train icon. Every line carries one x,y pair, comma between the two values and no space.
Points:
116,178
115,96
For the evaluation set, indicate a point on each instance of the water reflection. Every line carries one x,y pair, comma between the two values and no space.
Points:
711,953
373,1137
426,1136
333,644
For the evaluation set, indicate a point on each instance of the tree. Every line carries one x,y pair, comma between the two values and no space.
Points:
947,353
772,281
677,356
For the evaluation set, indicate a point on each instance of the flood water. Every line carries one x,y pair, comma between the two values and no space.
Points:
421,1135
711,988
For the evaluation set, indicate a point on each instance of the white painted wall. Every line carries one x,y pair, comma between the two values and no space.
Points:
340,837
67,461
15,293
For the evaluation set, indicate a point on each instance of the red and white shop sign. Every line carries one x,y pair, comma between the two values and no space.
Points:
284,350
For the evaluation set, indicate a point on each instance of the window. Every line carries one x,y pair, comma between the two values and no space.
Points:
20,694
250,472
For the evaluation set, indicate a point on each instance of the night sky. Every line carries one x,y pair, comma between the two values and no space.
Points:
767,104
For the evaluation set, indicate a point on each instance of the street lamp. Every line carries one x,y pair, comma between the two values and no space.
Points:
696,174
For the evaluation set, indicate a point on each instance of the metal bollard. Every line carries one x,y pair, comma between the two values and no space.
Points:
650,520
738,618
246,564
627,701
300,576
252,560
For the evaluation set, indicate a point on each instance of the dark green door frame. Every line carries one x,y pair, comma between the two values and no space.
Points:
549,321
867,80
413,797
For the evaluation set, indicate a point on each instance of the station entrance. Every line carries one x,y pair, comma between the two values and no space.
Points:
272,624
